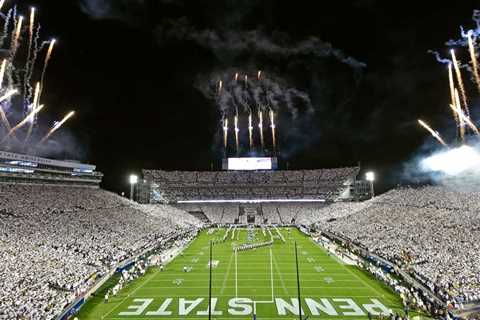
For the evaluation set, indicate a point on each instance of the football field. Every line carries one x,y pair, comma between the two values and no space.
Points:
260,281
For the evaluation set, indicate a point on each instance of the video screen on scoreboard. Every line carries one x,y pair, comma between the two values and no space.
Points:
249,163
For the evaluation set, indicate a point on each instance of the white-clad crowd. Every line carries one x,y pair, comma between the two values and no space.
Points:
56,241
171,186
432,232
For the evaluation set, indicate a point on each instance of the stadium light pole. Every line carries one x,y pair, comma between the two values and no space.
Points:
133,181
370,176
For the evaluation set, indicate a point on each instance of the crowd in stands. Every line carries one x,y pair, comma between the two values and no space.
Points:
174,186
314,214
55,242
433,232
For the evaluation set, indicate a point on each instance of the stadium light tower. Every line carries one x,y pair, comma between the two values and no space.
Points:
370,176
133,181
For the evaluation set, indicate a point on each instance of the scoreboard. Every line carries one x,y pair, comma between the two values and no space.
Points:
250,163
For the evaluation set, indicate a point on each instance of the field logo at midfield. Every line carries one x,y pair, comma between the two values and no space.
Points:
244,307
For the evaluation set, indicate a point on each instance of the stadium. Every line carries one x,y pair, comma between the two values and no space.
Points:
252,237
253,241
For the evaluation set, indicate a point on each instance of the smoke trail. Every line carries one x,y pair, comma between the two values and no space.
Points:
254,42
36,99
26,82
269,92
47,60
257,96
439,58
33,60
18,32
5,28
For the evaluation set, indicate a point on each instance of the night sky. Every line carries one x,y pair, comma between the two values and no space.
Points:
132,68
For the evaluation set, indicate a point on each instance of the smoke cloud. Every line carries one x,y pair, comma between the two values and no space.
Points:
232,43
299,72
457,168
105,9
267,93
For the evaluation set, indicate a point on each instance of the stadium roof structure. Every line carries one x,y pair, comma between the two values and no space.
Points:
29,169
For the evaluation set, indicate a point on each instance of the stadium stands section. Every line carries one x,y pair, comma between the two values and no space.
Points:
173,186
432,231
55,241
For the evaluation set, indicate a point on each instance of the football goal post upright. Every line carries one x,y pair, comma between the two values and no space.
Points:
298,284
210,284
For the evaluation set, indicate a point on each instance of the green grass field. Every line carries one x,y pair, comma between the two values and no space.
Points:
260,281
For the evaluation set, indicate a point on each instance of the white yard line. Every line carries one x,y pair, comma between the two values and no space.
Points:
236,275
249,287
271,270
281,277
226,274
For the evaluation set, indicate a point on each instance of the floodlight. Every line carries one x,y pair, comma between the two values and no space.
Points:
370,176
133,179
